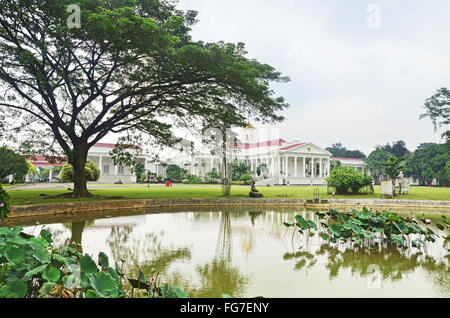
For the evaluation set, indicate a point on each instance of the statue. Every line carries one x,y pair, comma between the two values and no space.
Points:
254,193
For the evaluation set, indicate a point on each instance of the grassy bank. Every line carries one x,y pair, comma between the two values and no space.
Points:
20,197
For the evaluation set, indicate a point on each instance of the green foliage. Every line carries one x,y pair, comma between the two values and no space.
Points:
92,172
12,163
193,179
368,228
31,168
4,204
238,169
398,149
393,166
66,174
335,164
338,150
374,162
176,174
31,267
138,53
246,178
447,171
213,176
437,108
345,178
139,170
429,161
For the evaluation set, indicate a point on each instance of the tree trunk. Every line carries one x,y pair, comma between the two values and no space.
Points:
77,232
79,176
226,167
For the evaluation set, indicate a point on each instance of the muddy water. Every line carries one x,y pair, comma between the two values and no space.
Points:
247,253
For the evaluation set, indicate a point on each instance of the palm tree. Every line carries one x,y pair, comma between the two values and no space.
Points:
392,167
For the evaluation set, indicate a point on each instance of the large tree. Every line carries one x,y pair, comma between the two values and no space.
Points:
338,150
437,108
374,162
12,163
397,149
130,65
428,162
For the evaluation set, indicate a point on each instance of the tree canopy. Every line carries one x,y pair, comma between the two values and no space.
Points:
131,65
12,163
338,150
429,161
437,108
397,149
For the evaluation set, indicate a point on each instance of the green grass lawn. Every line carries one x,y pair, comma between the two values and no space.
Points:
19,197
5,186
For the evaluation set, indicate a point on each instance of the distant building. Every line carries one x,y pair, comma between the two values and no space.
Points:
280,162
99,154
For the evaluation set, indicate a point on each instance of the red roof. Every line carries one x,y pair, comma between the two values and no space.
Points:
106,145
41,161
269,143
354,159
292,146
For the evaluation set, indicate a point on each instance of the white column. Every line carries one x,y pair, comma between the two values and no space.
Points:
304,167
116,170
100,164
312,167
50,176
329,167
287,166
295,166
157,170
272,165
278,166
212,163
320,167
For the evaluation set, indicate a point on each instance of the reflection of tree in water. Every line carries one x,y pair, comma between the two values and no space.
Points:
253,216
77,229
145,253
393,263
219,276
76,234
224,241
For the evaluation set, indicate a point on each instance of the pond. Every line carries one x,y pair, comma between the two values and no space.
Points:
248,253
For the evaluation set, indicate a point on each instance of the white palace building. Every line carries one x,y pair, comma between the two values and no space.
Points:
280,162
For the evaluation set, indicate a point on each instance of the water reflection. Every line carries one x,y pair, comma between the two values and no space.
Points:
220,276
243,253
147,253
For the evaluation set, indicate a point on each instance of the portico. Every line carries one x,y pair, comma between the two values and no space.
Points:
298,163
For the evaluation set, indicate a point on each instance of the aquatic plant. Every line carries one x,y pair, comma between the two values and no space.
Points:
4,204
32,267
368,228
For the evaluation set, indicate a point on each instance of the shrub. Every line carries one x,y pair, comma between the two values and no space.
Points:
213,176
4,204
345,178
193,179
92,173
95,171
246,178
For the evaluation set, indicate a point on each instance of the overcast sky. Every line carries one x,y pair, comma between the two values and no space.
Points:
351,82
